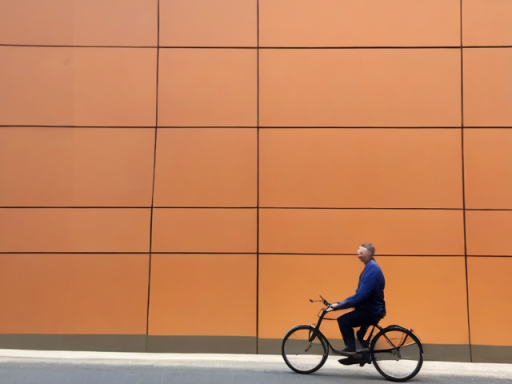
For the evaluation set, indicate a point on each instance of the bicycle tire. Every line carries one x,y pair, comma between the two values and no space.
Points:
397,353
302,355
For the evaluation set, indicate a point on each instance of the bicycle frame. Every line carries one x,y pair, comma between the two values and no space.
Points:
317,331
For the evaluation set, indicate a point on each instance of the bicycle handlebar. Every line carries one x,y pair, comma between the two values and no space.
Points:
325,302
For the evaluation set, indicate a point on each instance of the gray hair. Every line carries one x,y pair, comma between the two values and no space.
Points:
370,247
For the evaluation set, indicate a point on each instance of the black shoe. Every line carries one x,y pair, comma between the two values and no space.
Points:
347,352
349,361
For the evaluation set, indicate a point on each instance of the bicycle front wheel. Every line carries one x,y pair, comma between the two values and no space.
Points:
397,353
300,353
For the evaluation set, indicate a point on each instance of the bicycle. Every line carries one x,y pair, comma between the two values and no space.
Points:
396,352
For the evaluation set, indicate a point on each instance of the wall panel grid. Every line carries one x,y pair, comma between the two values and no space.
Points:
184,150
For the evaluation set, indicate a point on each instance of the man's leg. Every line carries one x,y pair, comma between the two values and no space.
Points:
360,335
347,322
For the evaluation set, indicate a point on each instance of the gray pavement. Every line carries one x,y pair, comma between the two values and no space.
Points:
63,367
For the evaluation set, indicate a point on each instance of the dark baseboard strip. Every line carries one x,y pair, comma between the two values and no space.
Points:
491,354
202,344
447,352
130,343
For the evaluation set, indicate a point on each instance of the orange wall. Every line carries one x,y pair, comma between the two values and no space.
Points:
167,161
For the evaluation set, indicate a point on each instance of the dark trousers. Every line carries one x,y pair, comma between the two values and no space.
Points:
356,318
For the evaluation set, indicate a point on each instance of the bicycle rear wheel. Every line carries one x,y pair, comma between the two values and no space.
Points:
397,353
301,354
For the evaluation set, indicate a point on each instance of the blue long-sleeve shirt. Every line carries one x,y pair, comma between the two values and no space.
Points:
369,295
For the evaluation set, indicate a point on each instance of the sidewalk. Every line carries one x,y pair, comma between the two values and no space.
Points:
473,370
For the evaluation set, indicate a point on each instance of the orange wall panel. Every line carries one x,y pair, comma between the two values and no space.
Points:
487,83
115,87
486,22
76,166
74,230
207,87
419,290
116,22
36,22
334,168
46,74
204,230
78,86
361,87
206,23
488,233
335,23
73,294
207,167
490,306
211,295
79,22
487,168
395,232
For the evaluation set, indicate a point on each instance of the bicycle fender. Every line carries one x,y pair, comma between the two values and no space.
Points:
399,328
297,326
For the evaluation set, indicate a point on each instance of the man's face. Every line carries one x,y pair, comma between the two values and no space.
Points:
364,255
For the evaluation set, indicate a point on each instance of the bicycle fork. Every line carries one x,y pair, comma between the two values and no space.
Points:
312,336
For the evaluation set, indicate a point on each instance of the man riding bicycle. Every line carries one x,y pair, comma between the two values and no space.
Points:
368,303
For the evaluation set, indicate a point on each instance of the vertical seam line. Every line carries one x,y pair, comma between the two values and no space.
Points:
257,173
154,173
463,179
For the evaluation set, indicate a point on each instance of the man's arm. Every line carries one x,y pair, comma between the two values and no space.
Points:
367,286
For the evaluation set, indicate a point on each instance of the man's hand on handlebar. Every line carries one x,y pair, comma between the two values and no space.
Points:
328,306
